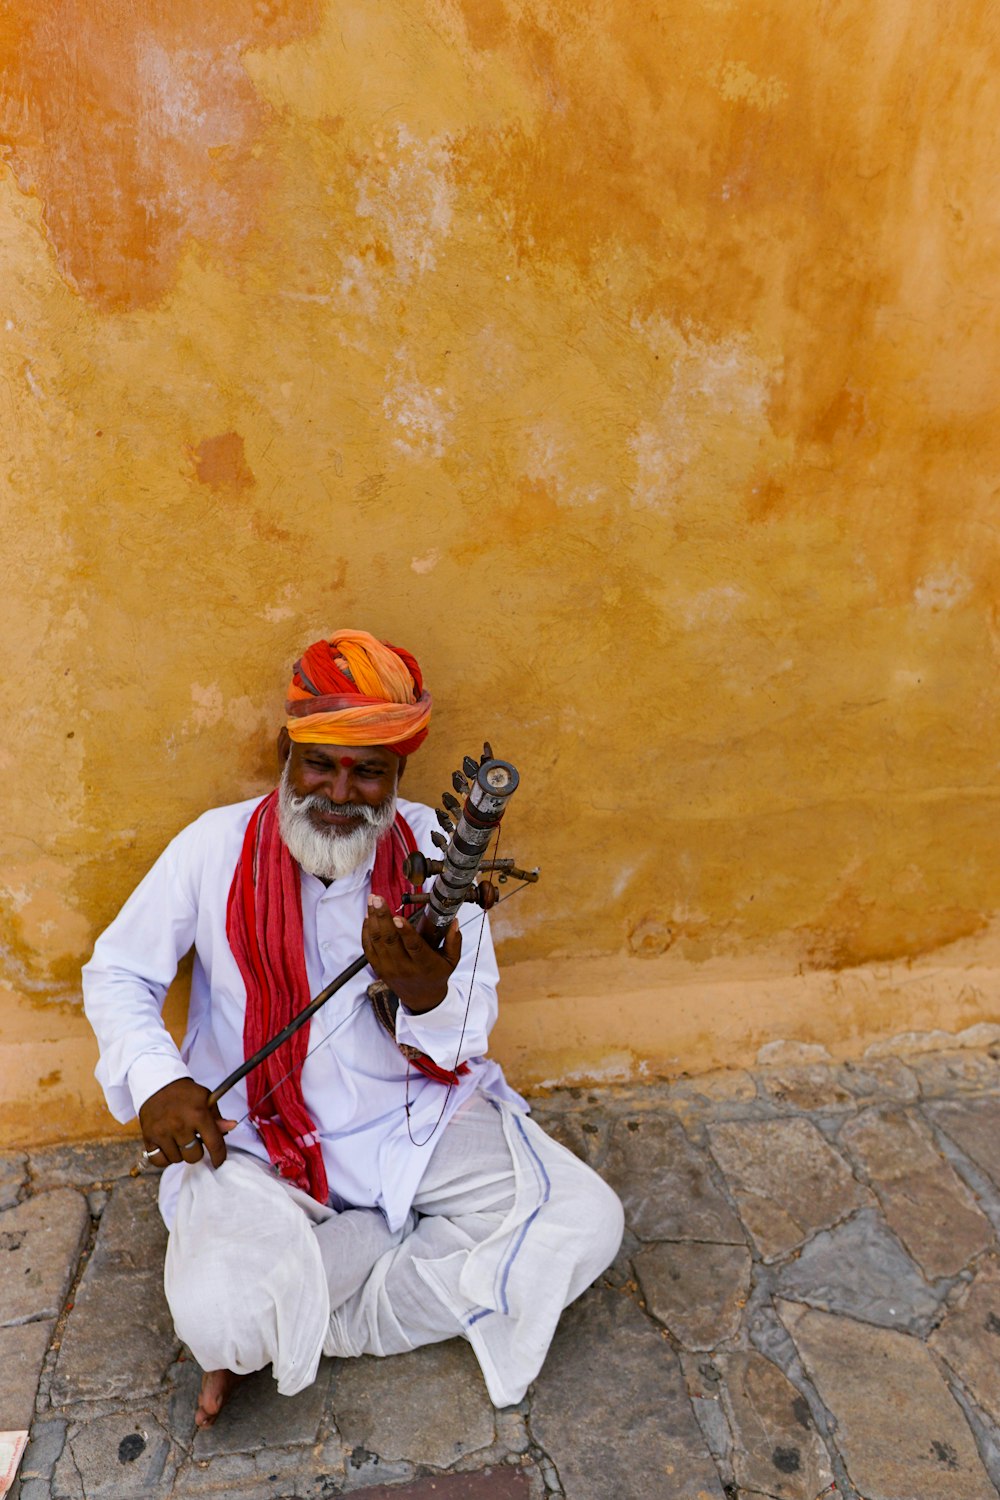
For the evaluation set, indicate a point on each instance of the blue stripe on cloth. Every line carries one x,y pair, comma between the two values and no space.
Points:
545,1187
484,1312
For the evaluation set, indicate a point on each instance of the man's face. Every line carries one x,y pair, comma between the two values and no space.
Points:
334,803
346,776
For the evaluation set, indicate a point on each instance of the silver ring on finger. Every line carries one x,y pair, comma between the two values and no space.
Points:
156,1151
195,1142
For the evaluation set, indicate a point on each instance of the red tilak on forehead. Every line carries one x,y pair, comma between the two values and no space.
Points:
347,760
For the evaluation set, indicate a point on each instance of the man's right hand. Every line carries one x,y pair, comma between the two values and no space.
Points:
177,1119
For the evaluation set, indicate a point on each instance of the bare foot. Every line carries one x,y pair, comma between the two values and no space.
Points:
216,1388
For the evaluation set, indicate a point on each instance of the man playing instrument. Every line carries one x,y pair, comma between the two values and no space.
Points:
362,1191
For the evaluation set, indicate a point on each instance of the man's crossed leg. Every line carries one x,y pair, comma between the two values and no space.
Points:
508,1229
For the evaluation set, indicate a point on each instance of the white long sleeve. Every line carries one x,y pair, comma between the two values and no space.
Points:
126,982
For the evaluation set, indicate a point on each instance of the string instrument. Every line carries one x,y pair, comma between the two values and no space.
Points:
488,785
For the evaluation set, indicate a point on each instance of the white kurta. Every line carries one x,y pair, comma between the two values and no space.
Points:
355,1082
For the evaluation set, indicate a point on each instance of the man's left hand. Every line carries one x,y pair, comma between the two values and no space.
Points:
412,969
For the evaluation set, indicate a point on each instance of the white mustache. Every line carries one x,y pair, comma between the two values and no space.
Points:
315,803
330,852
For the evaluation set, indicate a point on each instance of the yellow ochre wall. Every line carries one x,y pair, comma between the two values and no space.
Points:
634,365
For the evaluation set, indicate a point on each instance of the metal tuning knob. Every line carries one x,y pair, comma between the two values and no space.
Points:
487,753
469,766
444,821
415,867
438,840
451,803
459,782
485,894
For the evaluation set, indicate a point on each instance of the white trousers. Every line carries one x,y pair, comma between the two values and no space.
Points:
508,1228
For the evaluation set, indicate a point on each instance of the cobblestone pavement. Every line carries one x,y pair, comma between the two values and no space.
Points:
807,1303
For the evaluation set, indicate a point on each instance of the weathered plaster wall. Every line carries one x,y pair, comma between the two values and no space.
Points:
637,366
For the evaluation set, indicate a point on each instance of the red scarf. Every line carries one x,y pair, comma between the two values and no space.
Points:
264,928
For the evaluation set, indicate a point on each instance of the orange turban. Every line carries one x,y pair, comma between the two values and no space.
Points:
355,690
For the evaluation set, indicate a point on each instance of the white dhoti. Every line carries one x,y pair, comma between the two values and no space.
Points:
509,1227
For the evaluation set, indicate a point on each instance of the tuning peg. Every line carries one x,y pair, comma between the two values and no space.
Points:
487,753
444,821
416,867
469,766
459,782
485,894
451,803
438,839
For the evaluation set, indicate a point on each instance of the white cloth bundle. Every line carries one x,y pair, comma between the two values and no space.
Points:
243,1274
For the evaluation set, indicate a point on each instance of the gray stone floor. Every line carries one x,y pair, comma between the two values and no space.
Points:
807,1303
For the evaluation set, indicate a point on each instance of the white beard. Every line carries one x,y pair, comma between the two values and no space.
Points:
329,853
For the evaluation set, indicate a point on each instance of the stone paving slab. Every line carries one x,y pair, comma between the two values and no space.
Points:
40,1243
13,1177
703,1379
937,1220
968,1339
697,1291
256,1417
237,1476
48,1438
860,1269
820,1086
666,1185
119,1338
899,1429
587,1139
944,1073
710,1094
809,1086
788,1181
489,1484
120,1457
624,1419
385,1407
276,1472
776,1449
924,1200
974,1126
22,1355
886,1079
82,1165
257,1476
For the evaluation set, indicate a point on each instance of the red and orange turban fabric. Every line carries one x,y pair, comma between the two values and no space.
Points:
355,690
